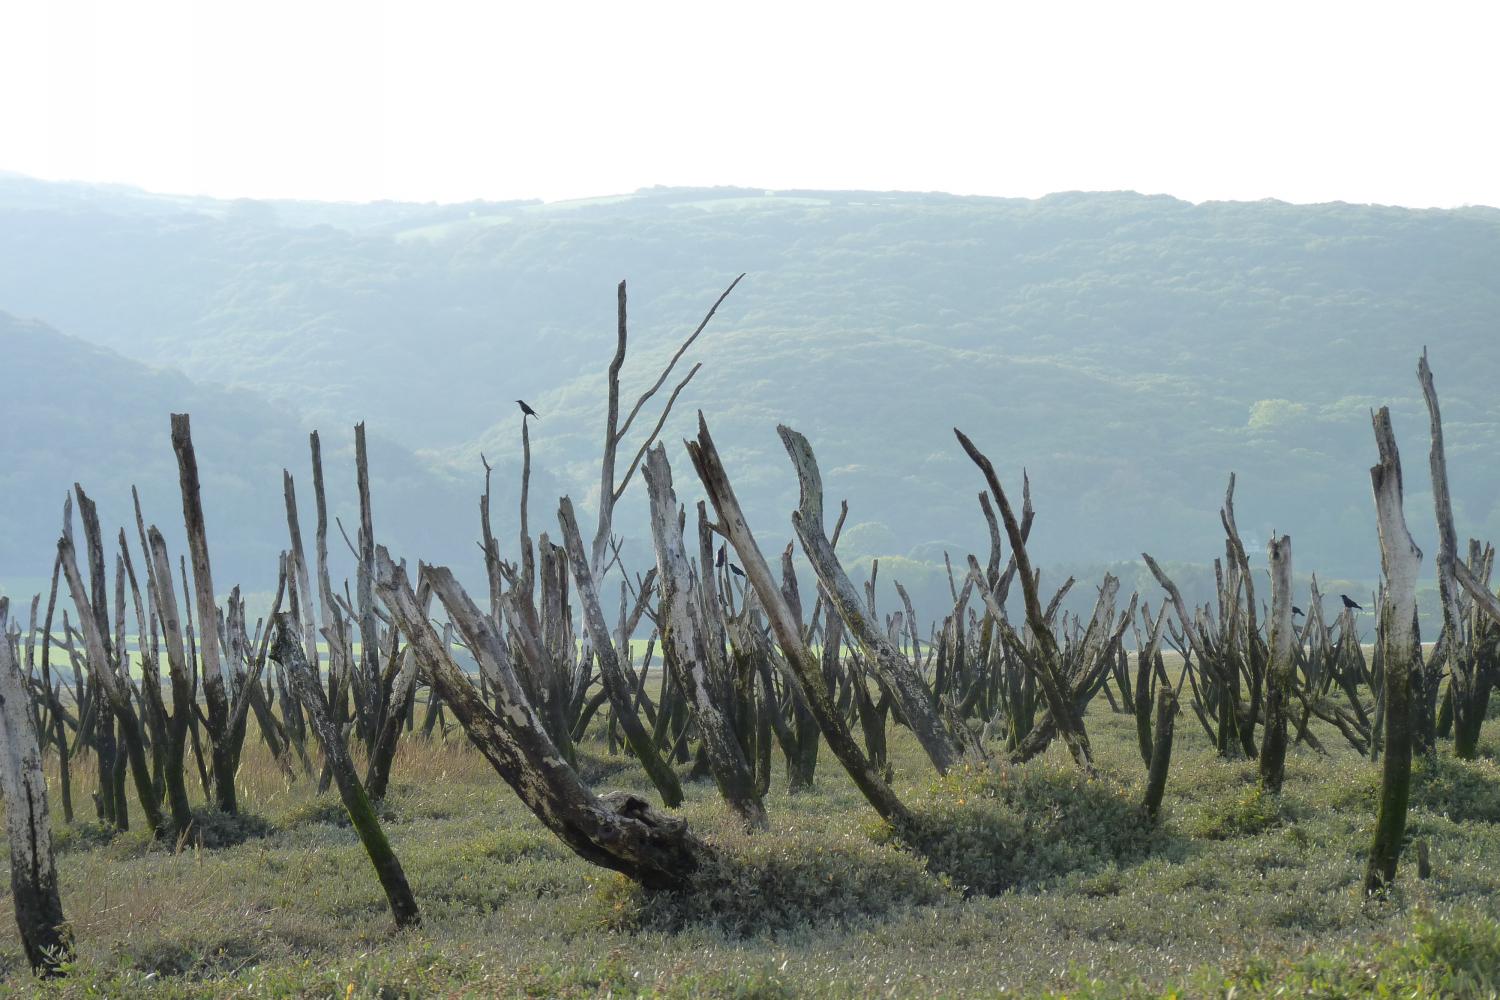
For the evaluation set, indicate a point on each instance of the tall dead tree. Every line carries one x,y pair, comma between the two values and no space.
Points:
45,936
610,491
1400,563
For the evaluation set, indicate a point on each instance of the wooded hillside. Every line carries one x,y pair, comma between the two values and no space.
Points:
1118,345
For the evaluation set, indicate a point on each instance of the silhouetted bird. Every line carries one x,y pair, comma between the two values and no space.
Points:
1349,603
526,410
736,570
719,562
1296,610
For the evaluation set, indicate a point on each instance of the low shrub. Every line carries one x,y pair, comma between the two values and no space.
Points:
992,829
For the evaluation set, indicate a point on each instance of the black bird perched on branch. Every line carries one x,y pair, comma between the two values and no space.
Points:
719,562
736,570
1349,603
1297,611
526,411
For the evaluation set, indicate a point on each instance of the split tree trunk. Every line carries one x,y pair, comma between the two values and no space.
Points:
113,689
1400,561
686,635
1054,684
1161,752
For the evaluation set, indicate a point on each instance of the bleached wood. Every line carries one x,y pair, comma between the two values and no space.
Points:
45,936
1401,562
896,674
683,630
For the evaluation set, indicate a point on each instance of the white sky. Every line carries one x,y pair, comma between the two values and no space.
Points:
434,100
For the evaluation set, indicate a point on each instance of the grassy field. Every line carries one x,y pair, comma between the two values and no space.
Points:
1234,894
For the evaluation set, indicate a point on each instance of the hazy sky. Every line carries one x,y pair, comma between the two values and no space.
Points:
1307,101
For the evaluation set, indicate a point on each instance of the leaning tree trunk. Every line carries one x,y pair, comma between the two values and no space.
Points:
806,671
896,675
617,831
33,877
289,653
1400,561
1279,674
616,683
1048,671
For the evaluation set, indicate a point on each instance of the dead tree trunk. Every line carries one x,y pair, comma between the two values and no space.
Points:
1400,561
45,936
113,689
1279,675
225,754
1465,686
180,671
288,652
685,634
1161,752
806,670
617,831
1049,674
912,698
616,683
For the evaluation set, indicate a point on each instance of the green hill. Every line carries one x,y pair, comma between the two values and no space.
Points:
75,412
1129,351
